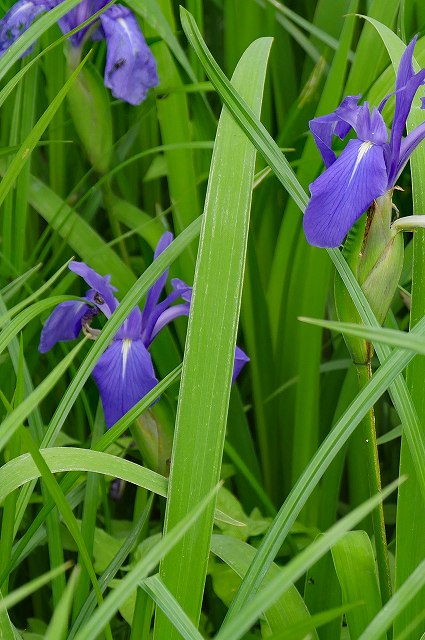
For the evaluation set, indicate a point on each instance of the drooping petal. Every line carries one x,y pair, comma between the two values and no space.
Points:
408,145
156,289
64,323
130,66
123,374
102,291
240,361
337,123
77,15
343,192
18,19
407,83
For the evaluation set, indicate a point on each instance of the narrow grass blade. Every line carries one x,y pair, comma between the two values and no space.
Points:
315,469
59,623
9,601
112,569
35,134
210,343
159,593
12,422
242,113
392,337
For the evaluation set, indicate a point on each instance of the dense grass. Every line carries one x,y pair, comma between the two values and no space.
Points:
296,540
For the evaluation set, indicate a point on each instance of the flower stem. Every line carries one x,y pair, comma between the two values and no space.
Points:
364,373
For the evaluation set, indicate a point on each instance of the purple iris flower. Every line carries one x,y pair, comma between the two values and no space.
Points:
130,66
368,166
124,373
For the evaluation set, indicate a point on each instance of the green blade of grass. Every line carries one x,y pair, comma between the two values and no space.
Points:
21,470
12,422
59,623
35,134
210,344
27,589
156,589
391,337
315,469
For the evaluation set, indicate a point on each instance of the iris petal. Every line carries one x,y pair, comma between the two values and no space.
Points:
130,66
123,374
64,323
337,123
102,294
343,192
76,16
156,289
407,83
240,361
407,147
18,19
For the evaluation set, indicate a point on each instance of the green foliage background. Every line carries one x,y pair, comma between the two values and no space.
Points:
287,547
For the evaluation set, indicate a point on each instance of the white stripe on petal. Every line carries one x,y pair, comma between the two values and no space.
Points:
126,346
363,149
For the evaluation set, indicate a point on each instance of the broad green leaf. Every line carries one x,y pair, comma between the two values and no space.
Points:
356,570
295,568
210,343
289,609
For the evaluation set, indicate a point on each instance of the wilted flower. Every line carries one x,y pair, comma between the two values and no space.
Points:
130,66
369,166
124,373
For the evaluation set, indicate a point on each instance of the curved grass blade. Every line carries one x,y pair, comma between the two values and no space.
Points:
35,134
313,472
113,567
23,469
